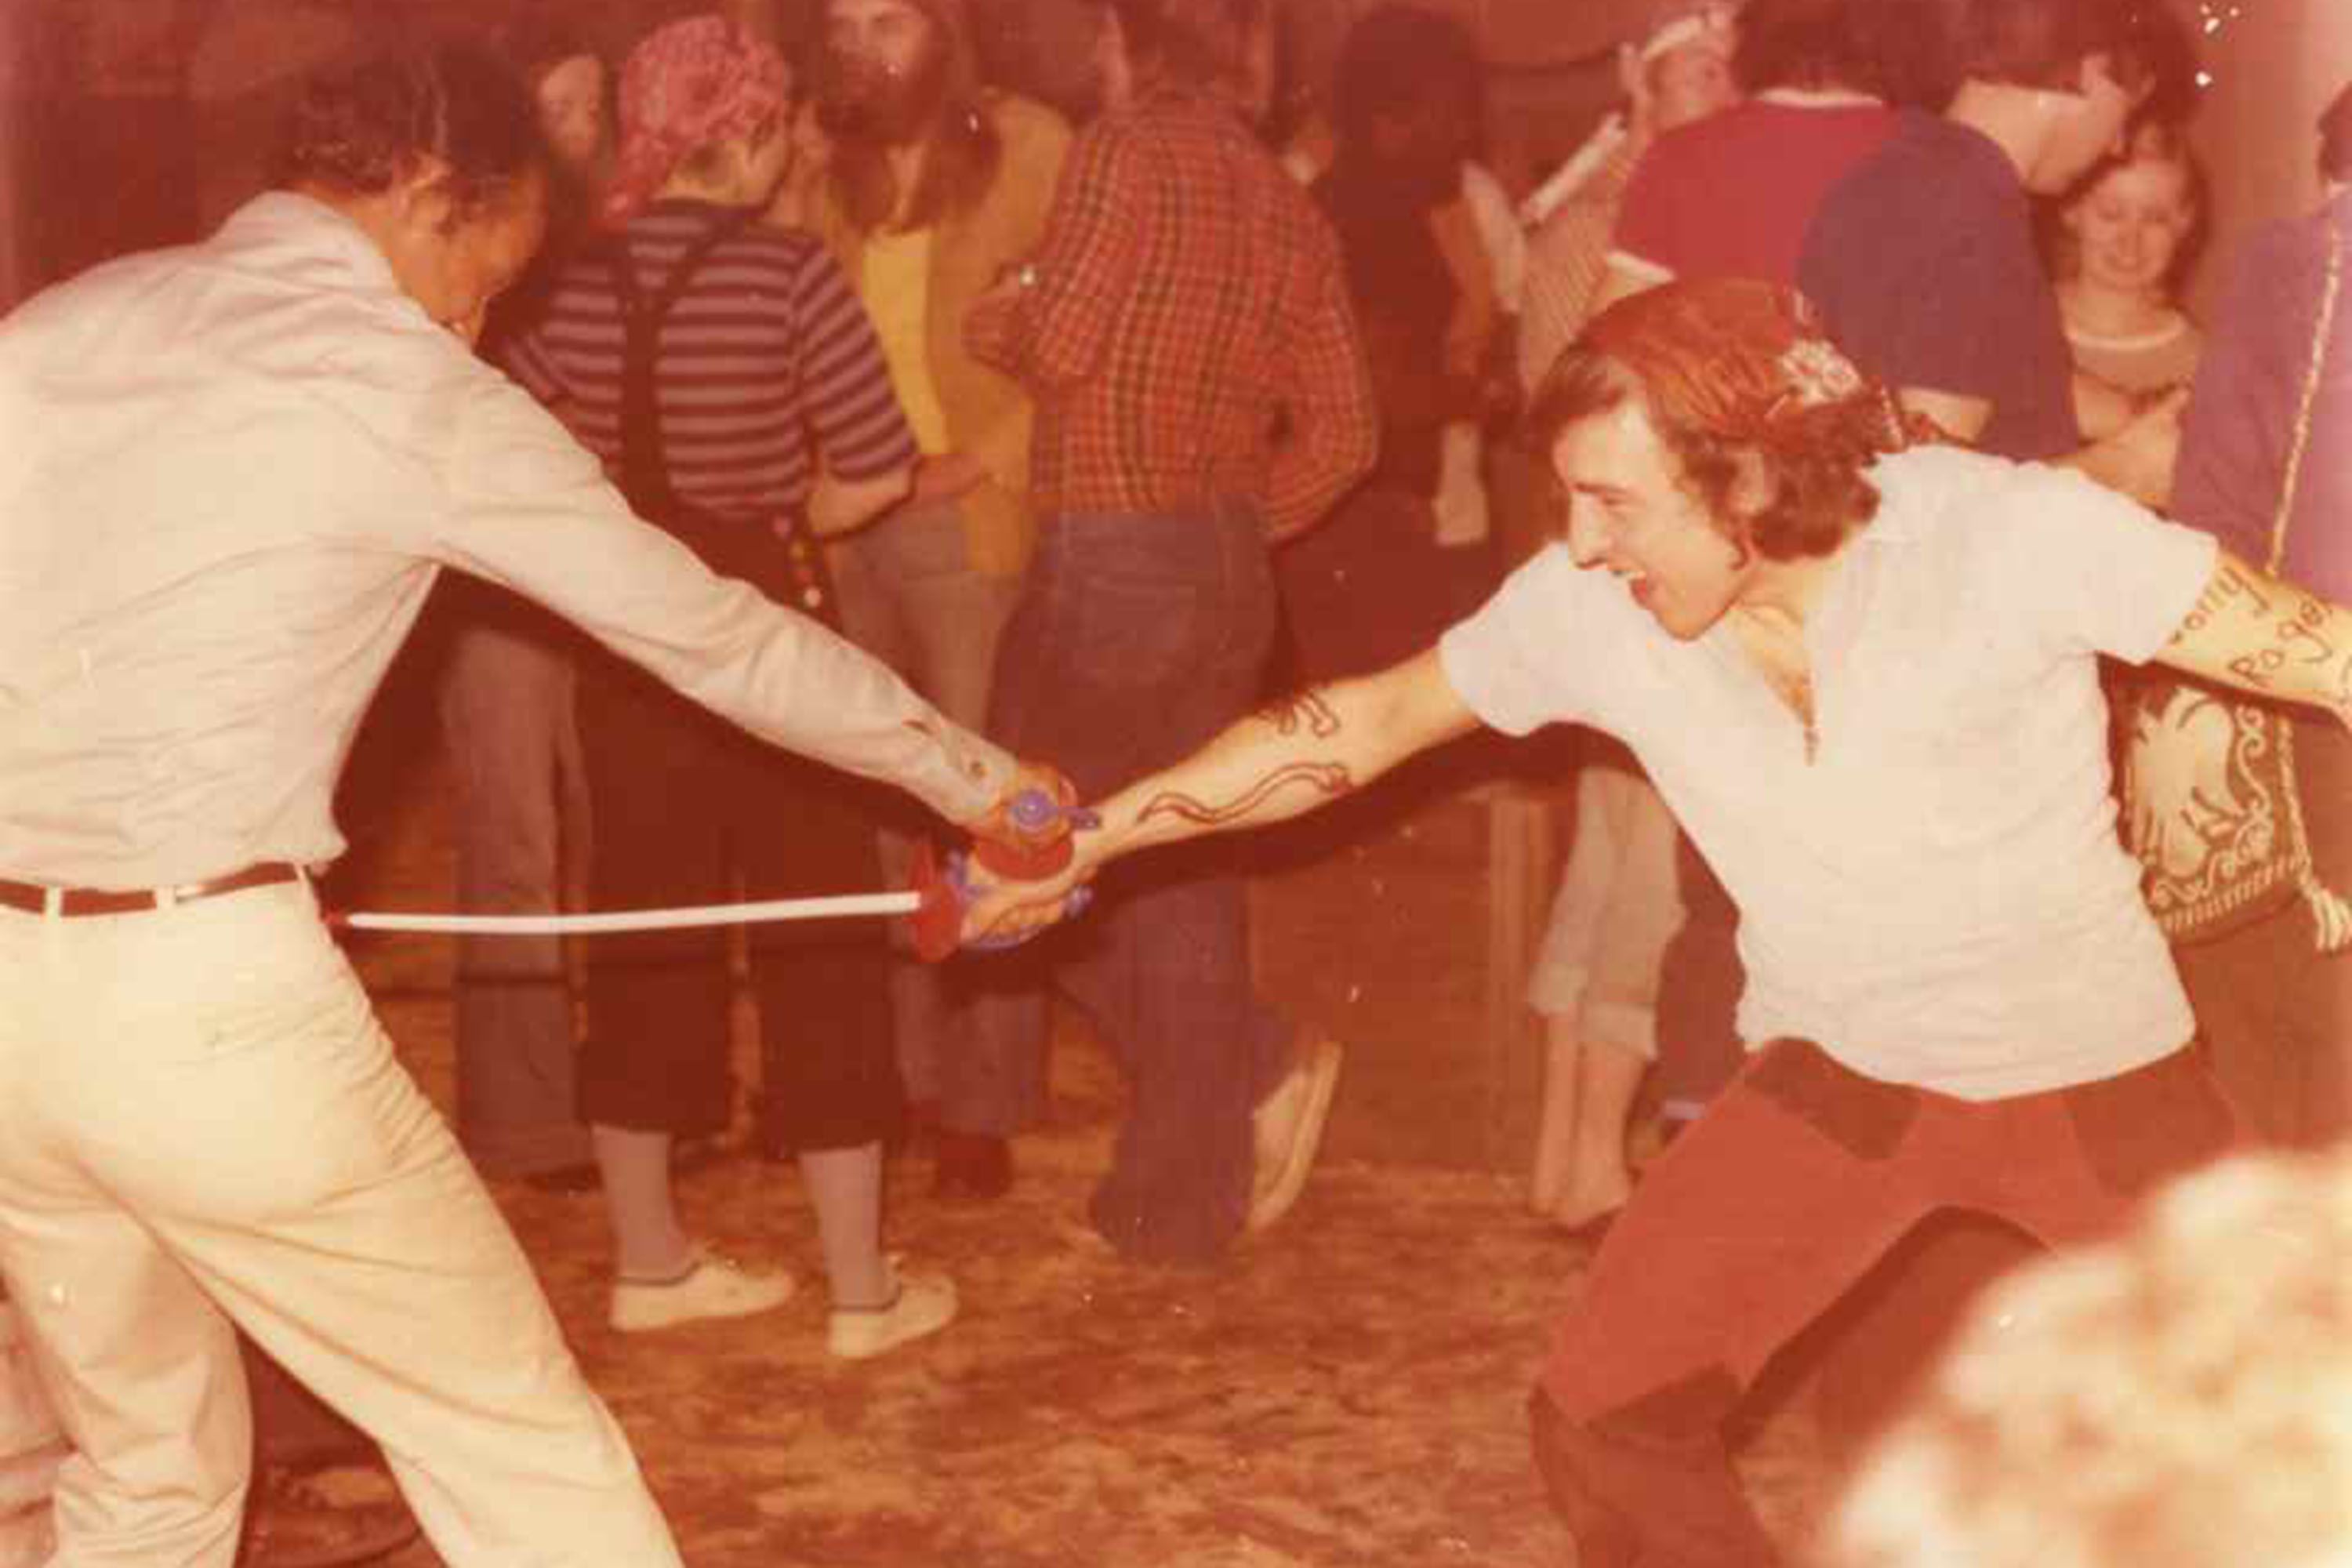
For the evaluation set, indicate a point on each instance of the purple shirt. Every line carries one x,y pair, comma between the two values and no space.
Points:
1922,261
2249,386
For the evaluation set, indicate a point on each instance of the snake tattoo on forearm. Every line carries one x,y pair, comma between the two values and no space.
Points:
1324,778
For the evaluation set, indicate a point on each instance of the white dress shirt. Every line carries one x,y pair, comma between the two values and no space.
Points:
228,475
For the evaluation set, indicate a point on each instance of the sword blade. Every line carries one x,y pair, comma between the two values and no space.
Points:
843,907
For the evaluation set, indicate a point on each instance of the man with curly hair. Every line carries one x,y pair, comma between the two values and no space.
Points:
1863,671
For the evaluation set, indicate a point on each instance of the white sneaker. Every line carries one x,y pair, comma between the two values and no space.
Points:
919,1304
713,1288
1287,1129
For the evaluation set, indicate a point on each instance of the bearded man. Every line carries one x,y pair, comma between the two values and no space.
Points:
928,185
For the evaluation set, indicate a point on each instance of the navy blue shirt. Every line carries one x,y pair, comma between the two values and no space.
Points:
1922,262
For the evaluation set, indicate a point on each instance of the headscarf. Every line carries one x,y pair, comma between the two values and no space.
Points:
692,83
1745,361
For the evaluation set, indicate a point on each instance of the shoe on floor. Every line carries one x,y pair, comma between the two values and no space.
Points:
975,1167
712,1287
323,1516
1288,1128
919,1304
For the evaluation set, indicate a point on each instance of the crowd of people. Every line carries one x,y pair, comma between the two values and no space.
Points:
840,452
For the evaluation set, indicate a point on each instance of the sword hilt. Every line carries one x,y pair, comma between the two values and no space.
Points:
1042,822
945,886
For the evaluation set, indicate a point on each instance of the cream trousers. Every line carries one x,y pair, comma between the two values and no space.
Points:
200,1121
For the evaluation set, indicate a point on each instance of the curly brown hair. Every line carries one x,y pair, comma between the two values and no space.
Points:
1814,463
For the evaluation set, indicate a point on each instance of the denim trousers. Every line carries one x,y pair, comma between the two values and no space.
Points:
909,596
1137,638
522,830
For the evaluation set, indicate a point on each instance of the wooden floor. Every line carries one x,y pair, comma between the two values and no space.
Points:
1346,1391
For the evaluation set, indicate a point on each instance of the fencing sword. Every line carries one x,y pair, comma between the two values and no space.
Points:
940,889
689,917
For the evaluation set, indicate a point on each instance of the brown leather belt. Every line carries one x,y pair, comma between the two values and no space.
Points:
72,903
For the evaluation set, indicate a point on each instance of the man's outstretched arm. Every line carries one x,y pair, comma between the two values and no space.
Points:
1291,757
2260,634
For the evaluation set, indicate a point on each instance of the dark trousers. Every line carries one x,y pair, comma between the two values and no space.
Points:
1370,587
2277,1015
1783,1195
2275,1010
691,811
1137,639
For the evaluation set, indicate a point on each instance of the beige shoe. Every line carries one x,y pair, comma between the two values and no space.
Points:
713,1288
919,1304
1288,1128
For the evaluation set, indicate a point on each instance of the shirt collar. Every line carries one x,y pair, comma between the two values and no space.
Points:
288,220
1819,97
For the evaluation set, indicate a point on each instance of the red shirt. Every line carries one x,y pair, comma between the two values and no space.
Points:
1188,337
1731,196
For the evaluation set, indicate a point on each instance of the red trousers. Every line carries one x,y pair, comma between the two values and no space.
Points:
1783,1195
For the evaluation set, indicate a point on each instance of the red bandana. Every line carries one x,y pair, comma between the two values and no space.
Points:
688,85
1740,359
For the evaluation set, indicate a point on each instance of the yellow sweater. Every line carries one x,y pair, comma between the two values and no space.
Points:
986,412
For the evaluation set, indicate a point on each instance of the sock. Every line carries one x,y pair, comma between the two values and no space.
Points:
647,1242
845,1186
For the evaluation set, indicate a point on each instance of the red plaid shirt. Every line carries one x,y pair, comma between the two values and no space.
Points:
1189,337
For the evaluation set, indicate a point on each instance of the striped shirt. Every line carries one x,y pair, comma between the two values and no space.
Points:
766,363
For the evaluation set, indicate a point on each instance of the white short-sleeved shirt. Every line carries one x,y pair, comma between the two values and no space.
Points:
1936,896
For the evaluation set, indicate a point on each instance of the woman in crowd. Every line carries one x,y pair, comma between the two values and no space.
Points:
726,372
2124,241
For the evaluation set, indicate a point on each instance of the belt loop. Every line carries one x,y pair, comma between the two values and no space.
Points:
53,903
167,898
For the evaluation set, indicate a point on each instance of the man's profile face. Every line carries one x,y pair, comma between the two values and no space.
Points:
455,264
1631,513
887,61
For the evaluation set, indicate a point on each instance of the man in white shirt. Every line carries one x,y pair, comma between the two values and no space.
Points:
1864,674
233,472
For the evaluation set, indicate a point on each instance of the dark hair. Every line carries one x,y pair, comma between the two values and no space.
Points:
1819,492
2336,137
358,131
965,149
1804,44
2044,43
1397,60
536,45
1199,44
2148,142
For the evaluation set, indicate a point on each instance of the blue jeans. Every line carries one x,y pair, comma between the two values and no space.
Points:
1135,640
909,596
522,827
